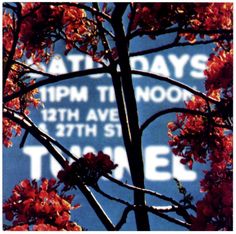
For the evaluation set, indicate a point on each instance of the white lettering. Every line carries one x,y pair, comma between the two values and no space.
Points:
153,161
180,171
139,63
36,153
75,60
155,158
179,64
199,63
159,66
57,66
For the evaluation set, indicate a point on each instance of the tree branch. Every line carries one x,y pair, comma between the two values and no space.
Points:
24,139
181,209
170,110
123,218
132,16
167,217
54,79
147,191
119,200
178,30
157,210
176,83
50,139
174,44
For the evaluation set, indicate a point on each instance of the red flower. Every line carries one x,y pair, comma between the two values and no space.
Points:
40,206
89,168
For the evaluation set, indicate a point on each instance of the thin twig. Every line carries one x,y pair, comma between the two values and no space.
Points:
182,210
178,30
24,139
170,110
157,210
119,200
180,110
123,218
147,191
167,217
174,44
52,140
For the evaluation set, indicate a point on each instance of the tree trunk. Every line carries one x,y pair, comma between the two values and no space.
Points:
129,117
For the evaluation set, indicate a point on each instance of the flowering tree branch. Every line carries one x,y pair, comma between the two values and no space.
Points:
40,136
10,54
85,7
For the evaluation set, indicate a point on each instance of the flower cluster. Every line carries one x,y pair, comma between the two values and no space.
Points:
204,138
210,16
215,211
40,208
191,139
159,16
15,83
197,140
219,72
89,168
64,21
193,16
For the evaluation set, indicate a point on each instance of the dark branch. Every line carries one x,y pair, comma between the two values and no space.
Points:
147,191
226,126
123,218
119,200
167,217
52,140
171,110
54,79
174,44
35,132
24,139
130,128
174,82
132,16
140,32
159,211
